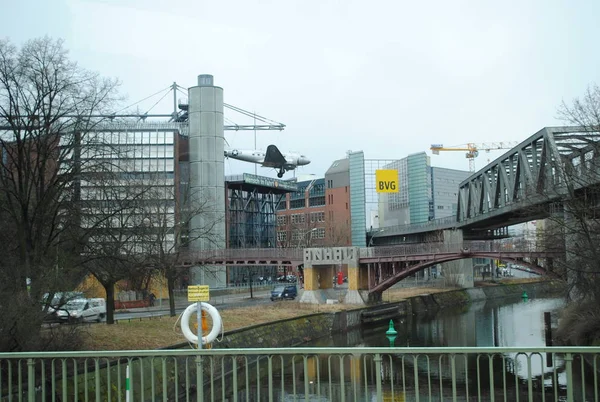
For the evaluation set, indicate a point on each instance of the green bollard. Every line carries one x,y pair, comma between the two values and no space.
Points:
391,330
391,334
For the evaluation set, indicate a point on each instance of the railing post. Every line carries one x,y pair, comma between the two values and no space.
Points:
199,377
377,359
30,380
569,370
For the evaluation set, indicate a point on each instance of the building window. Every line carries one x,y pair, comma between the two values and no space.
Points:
317,217
296,235
297,218
346,205
316,201
281,236
281,220
282,205
440,207
319,233
295,204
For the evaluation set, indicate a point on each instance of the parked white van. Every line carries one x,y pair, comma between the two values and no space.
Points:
82,310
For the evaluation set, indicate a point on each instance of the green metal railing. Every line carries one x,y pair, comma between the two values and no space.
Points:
299,374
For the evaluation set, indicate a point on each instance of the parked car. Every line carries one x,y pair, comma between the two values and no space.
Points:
82,310
281,292
58,299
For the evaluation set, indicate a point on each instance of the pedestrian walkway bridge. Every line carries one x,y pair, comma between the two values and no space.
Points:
375,269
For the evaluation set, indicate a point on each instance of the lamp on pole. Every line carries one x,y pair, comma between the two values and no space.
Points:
372,233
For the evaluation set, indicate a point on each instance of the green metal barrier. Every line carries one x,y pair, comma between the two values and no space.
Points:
315,374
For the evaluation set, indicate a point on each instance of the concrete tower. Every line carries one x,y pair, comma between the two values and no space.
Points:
207,175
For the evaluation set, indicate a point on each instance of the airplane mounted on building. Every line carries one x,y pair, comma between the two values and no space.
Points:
272,157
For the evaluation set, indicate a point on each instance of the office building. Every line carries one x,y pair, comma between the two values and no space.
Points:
425,192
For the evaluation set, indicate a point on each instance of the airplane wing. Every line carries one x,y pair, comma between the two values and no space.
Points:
273,157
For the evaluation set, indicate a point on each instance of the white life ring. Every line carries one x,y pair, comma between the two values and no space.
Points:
216,323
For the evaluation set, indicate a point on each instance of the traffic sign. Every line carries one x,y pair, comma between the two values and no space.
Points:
386,181
199,293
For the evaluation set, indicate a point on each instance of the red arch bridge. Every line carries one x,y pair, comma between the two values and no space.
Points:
372,270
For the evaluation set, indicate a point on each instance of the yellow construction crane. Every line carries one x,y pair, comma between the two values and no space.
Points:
472,149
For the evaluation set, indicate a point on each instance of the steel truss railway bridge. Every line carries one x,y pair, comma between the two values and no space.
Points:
528,182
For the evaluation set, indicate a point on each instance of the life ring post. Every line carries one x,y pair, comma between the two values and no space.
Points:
199,318
199,338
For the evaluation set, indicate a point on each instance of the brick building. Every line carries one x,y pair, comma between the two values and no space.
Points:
318,214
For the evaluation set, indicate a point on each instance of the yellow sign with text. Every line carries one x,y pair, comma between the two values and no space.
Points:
198,293
387,181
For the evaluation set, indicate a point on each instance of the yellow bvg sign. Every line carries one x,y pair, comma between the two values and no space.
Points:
387,181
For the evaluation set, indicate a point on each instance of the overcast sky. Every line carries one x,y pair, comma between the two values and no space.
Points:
386,77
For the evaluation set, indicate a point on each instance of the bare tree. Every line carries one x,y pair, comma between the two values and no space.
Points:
46,103
172,232
116,214
574,222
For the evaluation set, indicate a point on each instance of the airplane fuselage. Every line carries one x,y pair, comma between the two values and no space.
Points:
292,159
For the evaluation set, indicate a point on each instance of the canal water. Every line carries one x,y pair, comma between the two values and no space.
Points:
494,323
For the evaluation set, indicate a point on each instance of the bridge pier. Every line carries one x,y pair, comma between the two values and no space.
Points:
318,284
358,280
319,270
459,272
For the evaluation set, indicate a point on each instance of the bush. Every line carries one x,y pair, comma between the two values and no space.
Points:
22,328
579,324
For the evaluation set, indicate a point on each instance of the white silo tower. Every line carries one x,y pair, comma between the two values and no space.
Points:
207,175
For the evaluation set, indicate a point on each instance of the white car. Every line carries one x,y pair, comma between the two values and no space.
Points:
82,310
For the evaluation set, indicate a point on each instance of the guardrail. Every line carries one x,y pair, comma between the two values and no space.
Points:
521,246
295,254
317,374
435,224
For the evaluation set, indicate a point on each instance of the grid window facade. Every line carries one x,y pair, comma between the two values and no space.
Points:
316,201
297,203
297,219
141,166
317,217
319,233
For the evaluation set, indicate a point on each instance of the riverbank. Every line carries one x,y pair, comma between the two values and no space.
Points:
294,331
285,323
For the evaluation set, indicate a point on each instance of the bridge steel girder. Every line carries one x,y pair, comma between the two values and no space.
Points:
520,185
419,265
243,256
543,169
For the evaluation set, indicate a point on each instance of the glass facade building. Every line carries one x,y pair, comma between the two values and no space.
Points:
425,192
358,224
